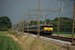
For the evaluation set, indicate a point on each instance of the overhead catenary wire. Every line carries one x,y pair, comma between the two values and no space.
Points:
60,10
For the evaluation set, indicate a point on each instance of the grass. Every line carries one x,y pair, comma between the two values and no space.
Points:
43,45
7,43
31,43
65,34
3,33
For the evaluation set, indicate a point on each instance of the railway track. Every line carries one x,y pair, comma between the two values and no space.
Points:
61,38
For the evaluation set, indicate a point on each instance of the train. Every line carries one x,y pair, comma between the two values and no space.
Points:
45,29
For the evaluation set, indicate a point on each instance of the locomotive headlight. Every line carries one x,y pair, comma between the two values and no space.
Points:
48,28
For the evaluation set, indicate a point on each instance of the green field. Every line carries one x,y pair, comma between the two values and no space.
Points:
7,43
3,33
65,34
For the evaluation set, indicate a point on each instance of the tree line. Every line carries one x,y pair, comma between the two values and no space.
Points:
5,23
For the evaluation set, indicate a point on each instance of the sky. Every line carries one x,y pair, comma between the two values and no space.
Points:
17,10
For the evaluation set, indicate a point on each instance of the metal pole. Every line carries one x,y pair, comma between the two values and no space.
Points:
28,21
38,19
58,24
44,16
45,20
60,14
73,22
58,29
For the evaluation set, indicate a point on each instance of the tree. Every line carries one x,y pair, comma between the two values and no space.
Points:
48,21
5,23
65,24
32,22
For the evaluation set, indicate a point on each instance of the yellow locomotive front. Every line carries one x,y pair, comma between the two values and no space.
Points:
48,29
